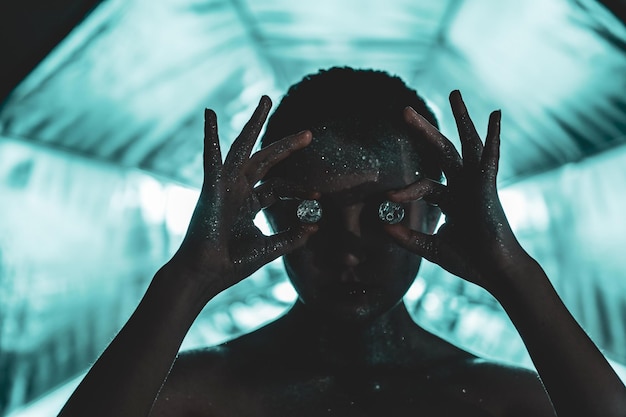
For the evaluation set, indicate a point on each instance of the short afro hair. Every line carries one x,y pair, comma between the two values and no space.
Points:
348,101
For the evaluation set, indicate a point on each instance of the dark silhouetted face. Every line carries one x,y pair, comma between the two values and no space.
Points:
351,270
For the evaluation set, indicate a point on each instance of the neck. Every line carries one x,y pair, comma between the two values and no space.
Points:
377,343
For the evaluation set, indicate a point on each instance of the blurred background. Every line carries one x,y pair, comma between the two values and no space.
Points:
100,156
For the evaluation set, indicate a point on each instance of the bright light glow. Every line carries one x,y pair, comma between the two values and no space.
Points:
153,199
284,292
472,324
524,209
180,205
416,290
432,303
261,222
252,315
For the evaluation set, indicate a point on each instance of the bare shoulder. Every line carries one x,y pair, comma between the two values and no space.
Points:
505,390
221,380
207,381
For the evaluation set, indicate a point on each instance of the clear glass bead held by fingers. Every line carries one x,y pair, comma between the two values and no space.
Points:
390,212
309,211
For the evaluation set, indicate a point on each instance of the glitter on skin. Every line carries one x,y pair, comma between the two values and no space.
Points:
348,161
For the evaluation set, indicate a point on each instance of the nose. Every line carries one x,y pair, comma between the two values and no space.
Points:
350,246
351,217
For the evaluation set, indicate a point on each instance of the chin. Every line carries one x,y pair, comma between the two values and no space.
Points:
350,310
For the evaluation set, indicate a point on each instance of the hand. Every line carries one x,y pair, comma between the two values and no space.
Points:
475,242
222,245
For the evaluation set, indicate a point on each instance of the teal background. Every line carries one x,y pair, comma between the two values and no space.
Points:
100,158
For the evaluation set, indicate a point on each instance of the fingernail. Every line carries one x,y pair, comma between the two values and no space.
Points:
209,114
410,112
265,103
391,196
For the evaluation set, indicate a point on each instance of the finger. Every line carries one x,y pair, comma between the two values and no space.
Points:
282,243
276,189
243,144
212,157
471,145
451,161
491,154
262,161
419,243
431,191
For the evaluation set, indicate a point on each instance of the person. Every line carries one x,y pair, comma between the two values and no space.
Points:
348,346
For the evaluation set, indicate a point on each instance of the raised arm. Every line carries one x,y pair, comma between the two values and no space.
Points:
476,243
222,246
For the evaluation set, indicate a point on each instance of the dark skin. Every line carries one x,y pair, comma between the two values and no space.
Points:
348,347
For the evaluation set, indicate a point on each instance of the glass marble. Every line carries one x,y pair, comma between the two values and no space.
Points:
309,211
390,212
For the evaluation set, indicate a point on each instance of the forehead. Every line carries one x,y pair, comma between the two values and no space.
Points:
336,163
